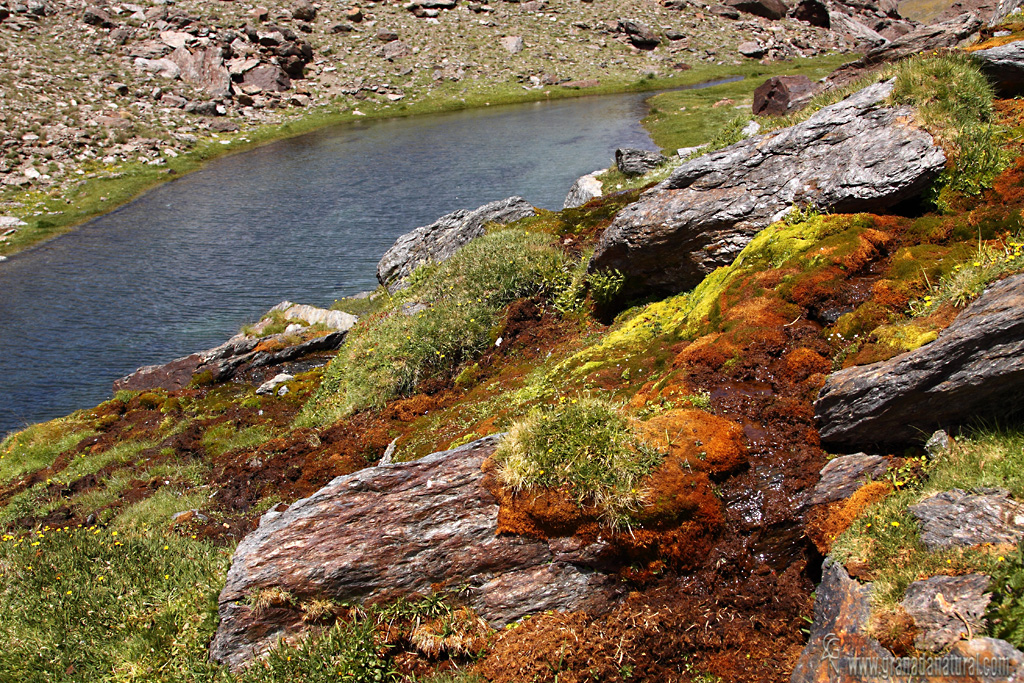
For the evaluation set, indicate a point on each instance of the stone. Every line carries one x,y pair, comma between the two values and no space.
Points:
974,370
386,35
813,12
353,14
513,44
176,39
205,69
396,50
440,240
277,380
267,78
398,530
581,84
339,321
751,49
725,11
861,35
852,156
583,190
842,610
634,162
164,68
8,222
937,444
304,12
946,609
843,475
780,95
958,518
769,9
1004,65
341,27
639,34
96,16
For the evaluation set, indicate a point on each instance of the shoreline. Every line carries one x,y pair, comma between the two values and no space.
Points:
103,191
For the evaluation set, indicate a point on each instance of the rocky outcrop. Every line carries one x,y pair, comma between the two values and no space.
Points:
769,9
440,240
958,518
339,321
851,156
1004,65
813,12
843,475
634,162
974,370
205,69
584,189
780,95
396,530
640,35
946,609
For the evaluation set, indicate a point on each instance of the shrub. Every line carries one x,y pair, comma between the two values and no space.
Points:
389,353
584,447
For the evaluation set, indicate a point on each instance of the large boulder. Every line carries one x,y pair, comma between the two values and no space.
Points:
814,12
440,240
780,95
1004,65
398,530
266,78
852,156
946,609
974,370
634,162
639,34
204,69
769,9
584,189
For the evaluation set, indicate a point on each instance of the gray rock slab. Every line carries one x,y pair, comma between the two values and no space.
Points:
584,189
843,475
947,609
958,518
1004,65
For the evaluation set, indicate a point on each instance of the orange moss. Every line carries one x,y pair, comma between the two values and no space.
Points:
891,295
802,362
827,522
697,440
710,351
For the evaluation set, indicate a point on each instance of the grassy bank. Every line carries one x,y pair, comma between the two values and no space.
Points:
102,188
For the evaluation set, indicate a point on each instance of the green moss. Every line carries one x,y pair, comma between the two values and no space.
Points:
226,437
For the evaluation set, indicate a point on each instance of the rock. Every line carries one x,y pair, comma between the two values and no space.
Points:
339,321
992,650
267,78
8,222
725,11
937,444
204,69
304,12
170,376
640,35
843,475
854,30
769,9
396,50
98,17
634,162
842,609
946,609
176,39
270,385
514,44
1004,65
751,49
583,190
581,84
341,27
813,12
353,14
780,95
386,35
958,518
974,370
441,239
852,156
164,68
392,531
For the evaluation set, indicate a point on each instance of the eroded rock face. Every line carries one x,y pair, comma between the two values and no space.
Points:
975,369
852,156
1004,65
440,240
958,518
395,530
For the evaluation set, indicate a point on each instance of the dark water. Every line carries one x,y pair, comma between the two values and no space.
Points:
307,219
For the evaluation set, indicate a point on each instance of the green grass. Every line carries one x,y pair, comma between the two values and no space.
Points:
583,447
38,446
225,437
389,353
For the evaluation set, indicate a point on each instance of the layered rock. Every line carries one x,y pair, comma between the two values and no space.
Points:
396,530
1004,65
958,518
843,475
851,156
975,369
440,240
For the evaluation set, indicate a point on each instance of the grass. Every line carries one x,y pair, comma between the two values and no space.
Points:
389,353
886,538
38,446
583,447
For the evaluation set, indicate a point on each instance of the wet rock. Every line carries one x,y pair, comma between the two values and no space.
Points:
96,16
813,12
583,190
842,609
780,95
959,518
769,9
946,609
852,156
639,34
842,476
1004,65
267,78
391,531
974,370
634,162
440,240
514,44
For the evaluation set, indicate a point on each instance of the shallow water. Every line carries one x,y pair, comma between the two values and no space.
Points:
306,219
